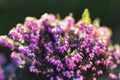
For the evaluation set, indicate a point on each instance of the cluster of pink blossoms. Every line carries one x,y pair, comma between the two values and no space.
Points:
64,50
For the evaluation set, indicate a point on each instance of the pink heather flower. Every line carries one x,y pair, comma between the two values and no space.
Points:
88,66
18,59
77,58
80,78
15,35
112,76
31,24
113,66
58,78
49,17
67,23
68,74
70,63
100,72
84,68
33,69
98,62
94,78
93,69
20,28
78,73
5,41
103,31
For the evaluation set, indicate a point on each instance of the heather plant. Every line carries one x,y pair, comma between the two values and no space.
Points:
60,49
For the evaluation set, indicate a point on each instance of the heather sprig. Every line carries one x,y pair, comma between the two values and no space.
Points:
62,49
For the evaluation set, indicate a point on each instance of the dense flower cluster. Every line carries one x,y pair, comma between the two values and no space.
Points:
114,66
62,49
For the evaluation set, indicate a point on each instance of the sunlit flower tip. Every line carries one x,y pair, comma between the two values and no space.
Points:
82,35
49,17
6,41
78,24
20,28
19,25
15,35
69,20
86,17
96,22
30,19
103,31
117,47
102,39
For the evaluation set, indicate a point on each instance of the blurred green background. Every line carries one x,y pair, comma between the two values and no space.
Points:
15,11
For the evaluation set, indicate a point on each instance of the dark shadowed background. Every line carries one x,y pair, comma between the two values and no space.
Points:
15,11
